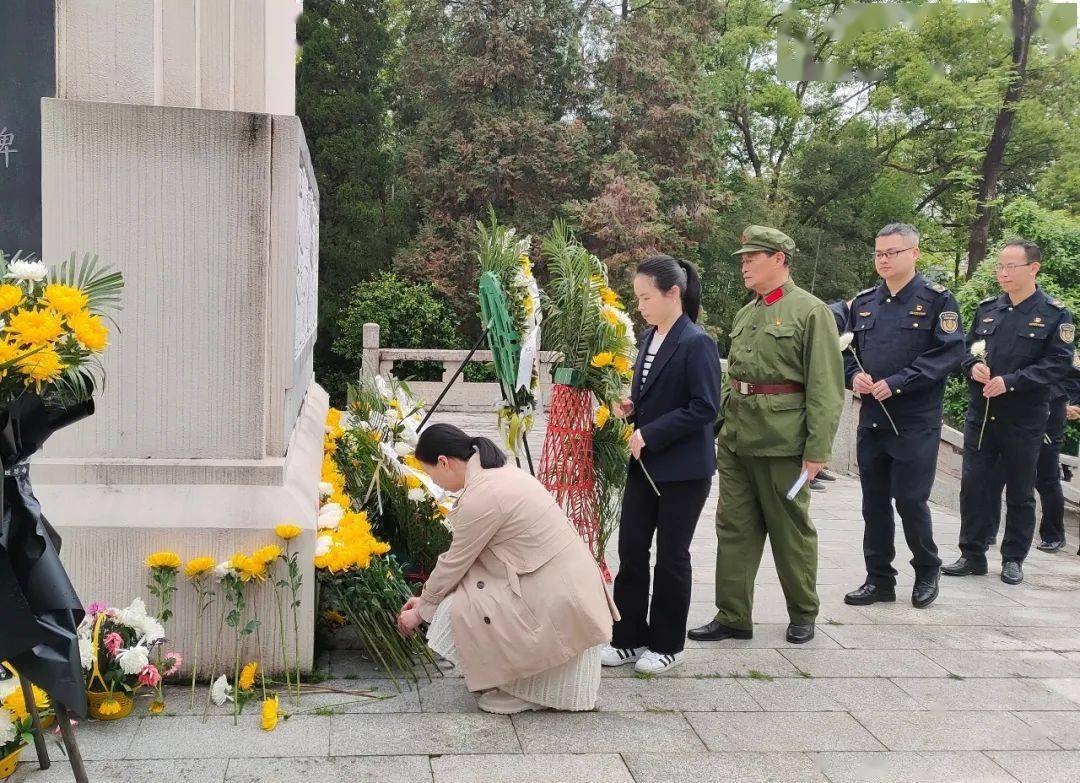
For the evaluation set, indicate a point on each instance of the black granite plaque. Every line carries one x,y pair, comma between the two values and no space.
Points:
27,74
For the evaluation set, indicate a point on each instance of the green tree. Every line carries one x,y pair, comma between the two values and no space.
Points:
342,100
490,105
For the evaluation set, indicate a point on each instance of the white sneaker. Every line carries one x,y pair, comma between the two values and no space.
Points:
658,663
619,656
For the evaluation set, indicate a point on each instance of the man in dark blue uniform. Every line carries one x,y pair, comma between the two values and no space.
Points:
908,338
1028,341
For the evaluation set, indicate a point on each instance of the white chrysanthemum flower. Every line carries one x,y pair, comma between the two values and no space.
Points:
845,340
330,515
402,449
410,435
322,545
326,489
222,570
27,271
86,654
133,659
220,691
417,494
9,732
978,349
8,687
150,630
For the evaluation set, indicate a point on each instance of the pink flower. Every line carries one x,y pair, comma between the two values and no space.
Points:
150,676
114,642
95,608
174,661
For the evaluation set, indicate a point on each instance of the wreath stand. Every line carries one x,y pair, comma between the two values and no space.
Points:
67,733
567,469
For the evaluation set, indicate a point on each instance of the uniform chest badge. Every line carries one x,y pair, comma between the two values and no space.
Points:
1037,319
918,308
1076,360
864,315
988,320
1067,332
949,321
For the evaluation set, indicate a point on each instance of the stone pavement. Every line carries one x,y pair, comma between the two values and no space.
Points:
982,686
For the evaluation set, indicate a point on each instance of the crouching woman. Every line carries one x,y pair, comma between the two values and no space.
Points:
517,602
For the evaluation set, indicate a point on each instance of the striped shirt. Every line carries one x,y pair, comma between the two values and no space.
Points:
650,355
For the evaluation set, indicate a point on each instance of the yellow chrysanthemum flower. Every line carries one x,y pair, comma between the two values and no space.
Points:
629,433
603,413
602,359
199,566
65,299
8,351
89,330
267,554
412,482
622,364
333,418
163,559
246,567
157,707
43,366
270,713
609,297
287,532
109,707
247,676
610,316
340,498
334,619
35,327
413,462
16,704
10,296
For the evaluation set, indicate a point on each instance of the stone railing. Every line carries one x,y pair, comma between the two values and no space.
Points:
463,396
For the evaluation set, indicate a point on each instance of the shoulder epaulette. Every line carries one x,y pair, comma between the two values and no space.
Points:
936,287
1056,303
869,290
988,300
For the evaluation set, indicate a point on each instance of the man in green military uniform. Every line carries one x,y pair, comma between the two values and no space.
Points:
781,405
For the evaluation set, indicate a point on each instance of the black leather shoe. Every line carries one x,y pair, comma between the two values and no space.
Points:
1012,573
826,475
924,593
714,631
870,594
1050,546
800,633
816,486
964,567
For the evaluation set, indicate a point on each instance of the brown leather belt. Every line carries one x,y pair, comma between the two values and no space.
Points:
766,388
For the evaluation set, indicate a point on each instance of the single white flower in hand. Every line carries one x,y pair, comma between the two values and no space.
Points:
978,349
26,271
845,340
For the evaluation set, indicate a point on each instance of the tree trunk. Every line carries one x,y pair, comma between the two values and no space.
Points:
1023,22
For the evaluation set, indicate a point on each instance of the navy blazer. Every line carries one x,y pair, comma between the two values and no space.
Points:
676,405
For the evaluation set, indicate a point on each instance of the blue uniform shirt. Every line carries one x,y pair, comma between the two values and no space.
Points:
913,341
1030,345
1071,384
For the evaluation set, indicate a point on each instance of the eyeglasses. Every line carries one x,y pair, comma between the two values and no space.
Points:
890,254
1008,267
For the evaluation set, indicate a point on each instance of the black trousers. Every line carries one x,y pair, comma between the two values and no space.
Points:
672,516
1048,475
1016,444
901,468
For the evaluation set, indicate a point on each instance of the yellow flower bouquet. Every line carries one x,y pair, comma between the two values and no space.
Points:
53,327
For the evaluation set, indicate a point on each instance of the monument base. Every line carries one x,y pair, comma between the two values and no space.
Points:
194,508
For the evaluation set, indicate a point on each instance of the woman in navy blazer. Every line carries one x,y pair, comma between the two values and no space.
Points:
673,404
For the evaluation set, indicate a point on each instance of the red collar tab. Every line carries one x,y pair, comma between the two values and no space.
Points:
774,296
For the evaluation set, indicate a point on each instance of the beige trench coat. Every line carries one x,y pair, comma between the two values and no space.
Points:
528,595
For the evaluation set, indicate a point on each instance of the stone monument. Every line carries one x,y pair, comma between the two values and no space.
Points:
172,151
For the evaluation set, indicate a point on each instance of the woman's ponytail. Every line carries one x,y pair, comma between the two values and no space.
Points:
446,440
667,272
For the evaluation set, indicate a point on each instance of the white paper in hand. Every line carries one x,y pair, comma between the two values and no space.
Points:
791,493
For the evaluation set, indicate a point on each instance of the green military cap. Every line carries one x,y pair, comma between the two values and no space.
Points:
756,238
